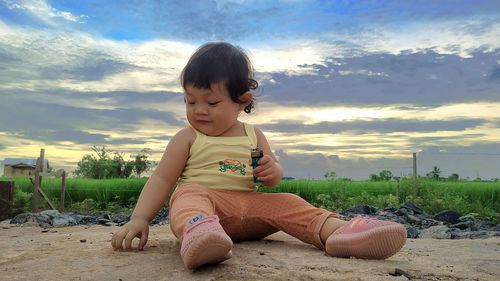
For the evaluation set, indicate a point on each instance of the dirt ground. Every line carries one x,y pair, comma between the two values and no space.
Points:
85,253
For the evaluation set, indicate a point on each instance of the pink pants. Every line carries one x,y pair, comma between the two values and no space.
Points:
248,215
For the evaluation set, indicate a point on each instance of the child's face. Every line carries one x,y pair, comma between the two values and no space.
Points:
211,111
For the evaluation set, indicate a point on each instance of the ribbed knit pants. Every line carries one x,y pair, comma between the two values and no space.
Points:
248,215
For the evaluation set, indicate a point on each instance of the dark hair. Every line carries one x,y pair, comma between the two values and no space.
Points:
221,61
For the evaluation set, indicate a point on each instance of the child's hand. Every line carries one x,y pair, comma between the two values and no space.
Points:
134,228
268,171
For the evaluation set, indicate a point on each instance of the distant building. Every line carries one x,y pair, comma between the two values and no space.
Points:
14,167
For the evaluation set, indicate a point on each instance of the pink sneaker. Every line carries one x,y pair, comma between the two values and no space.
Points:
205,242
366,238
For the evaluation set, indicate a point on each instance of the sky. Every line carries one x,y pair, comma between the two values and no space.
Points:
354,87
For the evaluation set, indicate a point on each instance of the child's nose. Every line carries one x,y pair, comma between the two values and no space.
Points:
201,109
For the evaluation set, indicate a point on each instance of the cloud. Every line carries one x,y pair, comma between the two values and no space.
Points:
41,60
79,123
380,125
271,113
43,11
424,78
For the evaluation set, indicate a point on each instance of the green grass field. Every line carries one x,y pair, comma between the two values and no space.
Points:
481,199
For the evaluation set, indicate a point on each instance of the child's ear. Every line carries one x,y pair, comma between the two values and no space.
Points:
245,99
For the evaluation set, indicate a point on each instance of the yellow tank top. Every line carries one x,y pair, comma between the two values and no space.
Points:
221,162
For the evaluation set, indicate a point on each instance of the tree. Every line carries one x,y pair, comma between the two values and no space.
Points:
110,164
330,176
453,177
374,177
434,174
141,162
385,175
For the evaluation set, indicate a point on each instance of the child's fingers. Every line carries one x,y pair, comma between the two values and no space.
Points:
264,160
267,178
267,173
144,239
263,164
128,240
117,239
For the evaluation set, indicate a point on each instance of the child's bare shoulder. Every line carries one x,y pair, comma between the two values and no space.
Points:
186,135
258,132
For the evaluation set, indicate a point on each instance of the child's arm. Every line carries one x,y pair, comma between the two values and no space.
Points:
155,191
269,170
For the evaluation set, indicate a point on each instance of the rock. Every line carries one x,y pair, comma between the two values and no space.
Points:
403,212
363,209
479,235
460,234
63,220
390,208
387,215
485,225
413,219
84,219
448,216
162,217
463,225
411,232
57,219
401,273
104,221
437,231
410,206
466,218
31,217
426,223
50,213
120,218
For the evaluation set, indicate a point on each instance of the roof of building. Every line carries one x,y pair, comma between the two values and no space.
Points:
19,161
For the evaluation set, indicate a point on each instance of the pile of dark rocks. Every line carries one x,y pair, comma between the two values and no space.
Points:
447,224
53,218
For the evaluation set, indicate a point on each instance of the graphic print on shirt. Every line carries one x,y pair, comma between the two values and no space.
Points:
233,166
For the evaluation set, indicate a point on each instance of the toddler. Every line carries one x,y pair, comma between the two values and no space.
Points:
216,202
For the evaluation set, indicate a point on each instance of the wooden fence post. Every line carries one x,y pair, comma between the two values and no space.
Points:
38,180
37,183
63,192
6,199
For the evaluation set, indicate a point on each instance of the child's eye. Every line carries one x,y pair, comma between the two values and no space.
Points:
213,103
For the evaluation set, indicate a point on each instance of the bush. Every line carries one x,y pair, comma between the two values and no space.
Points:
22,202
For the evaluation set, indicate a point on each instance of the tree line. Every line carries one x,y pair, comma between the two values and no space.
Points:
107,164
386,175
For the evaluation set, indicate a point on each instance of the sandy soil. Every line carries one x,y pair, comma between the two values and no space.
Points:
84,253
